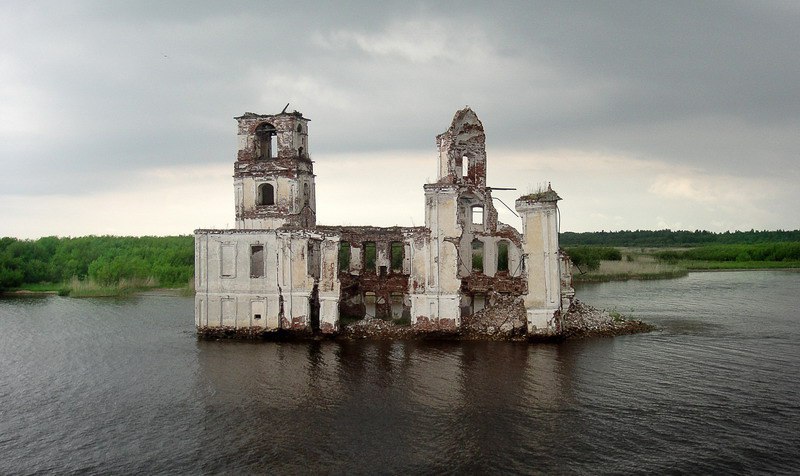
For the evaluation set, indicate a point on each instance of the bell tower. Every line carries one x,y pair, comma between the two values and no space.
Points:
273,176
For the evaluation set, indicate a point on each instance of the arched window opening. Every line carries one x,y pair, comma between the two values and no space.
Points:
477,255
299,128
301,152
344,256
477,215
266,194
464,166
306,195
502,256
266,141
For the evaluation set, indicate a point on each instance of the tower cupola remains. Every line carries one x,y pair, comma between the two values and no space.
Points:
273,174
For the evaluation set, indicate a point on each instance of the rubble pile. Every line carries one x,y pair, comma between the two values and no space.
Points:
504,318
375,328
582,320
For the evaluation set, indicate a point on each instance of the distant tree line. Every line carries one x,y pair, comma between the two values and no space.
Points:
104,259
739,253
669,238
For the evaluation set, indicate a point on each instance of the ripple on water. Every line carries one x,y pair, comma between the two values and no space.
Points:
122,386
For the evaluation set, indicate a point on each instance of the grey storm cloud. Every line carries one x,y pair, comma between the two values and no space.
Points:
93,90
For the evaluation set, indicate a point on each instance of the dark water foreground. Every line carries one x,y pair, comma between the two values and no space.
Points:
123,386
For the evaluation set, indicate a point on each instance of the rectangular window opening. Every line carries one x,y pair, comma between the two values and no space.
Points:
397,256
477,256
502,256
344,256
370,255
477,215
257,261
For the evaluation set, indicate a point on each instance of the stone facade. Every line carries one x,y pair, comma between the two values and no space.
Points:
279,270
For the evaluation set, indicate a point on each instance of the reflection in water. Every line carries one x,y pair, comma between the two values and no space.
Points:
116,386
433,406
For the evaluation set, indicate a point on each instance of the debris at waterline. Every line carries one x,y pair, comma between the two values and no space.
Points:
580,321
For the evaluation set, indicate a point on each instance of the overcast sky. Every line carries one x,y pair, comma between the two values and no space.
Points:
117,117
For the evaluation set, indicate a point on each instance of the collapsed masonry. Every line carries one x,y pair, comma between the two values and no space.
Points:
279,270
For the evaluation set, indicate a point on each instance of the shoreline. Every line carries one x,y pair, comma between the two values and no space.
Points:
176,292
671,274
717,270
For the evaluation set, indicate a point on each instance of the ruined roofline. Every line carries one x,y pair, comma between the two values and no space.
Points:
548,195
372,229
462,116
253,115
258,231
319,229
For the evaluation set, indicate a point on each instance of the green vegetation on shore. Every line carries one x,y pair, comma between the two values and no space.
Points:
632,264
660,263
96,265
771,252
588,258
113,266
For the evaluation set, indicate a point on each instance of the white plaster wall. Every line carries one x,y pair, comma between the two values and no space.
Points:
288,197
228,301
540,243
441,298
267,223
435,307
449,281
418,259
329,286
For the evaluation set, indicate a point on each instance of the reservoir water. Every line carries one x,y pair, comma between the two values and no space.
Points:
99,386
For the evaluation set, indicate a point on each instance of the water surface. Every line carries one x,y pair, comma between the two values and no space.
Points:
122,385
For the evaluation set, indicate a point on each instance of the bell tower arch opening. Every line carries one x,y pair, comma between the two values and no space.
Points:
266,194
266,141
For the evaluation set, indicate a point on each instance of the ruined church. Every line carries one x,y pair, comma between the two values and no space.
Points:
280,270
